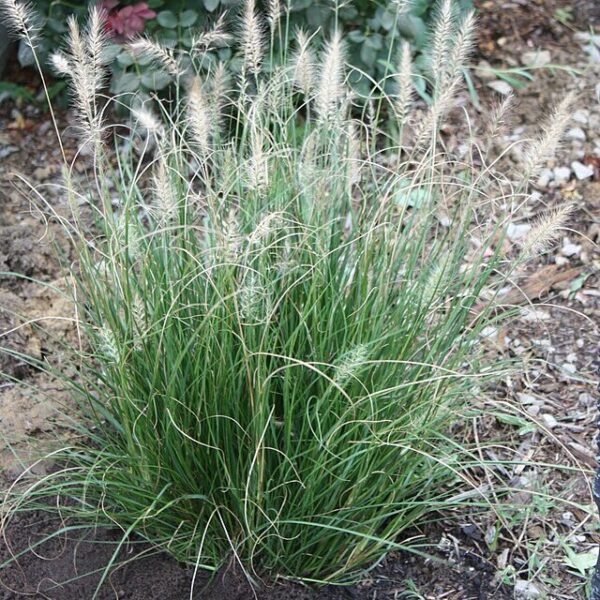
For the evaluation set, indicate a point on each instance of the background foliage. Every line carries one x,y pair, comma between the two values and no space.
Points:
370,31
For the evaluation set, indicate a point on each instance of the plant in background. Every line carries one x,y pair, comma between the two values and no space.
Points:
128,21
283,316
372,32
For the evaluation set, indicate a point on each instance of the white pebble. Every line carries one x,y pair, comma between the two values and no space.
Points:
517,232
549,421
546,176
569,249
562,174
525,590
581,117
501,87
581,171
536,58
576,133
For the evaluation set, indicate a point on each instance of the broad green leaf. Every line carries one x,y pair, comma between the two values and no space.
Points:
375,41
109,53
581,562
356,36
187,18
126,58
156,79
210,5
167,18
368,55
124,82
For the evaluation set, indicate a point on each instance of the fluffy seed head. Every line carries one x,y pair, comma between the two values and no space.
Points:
158,53
498,116
304,65
87,76
545,146
331,87
108,344
147,120
273,13
215,37
219,88
20,20
95,37
60,63
252,38
350,363
545,231
463,44
198,116
266,225
442,34
258,165
404,84
165,196
254,300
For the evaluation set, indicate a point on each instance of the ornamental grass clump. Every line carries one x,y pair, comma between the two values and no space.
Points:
280,307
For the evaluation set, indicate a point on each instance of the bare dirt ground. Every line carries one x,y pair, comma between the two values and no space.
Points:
541,541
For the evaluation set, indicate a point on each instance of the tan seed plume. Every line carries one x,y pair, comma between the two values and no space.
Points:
331,87
199,116
545,232
252,38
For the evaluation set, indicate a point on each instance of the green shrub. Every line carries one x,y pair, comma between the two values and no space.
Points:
372,31
283,316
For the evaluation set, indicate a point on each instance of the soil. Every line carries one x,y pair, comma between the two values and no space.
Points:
143,575
556,336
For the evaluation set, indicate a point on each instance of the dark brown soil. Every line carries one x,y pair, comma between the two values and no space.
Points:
69,567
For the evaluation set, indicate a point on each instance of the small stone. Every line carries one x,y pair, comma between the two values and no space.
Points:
572,357
536,58
517,232
549,421
581,171
489,332
586,399
570,249
586,36
527,398
42,173
525,590
575,133
561,261
485,72
569,368
581,117
501,87
8,150
44,128
444,220
562,174
546,176
533,315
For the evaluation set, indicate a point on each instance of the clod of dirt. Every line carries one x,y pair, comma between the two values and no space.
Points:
15,338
